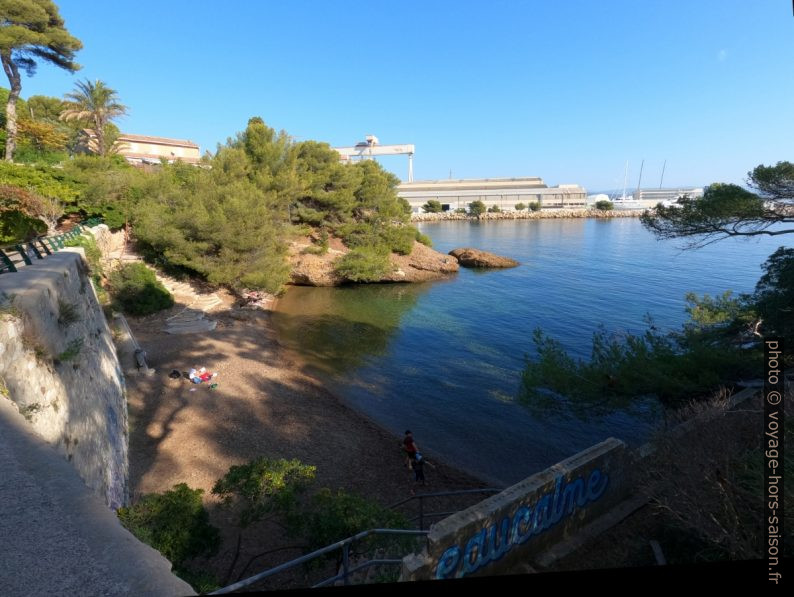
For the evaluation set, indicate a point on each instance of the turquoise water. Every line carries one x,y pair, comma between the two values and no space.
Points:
444,358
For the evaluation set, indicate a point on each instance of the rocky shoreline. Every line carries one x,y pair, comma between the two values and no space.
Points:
423,264
530,215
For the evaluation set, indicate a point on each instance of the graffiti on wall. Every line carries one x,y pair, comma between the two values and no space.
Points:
527,520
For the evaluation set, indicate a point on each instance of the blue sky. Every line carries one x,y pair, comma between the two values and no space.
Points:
565,90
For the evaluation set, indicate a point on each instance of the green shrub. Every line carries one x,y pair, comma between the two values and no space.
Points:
67,313
92,253
604,205
331,517
520,206
399,239
774,296
72,351
137,291
432,207
623,372
460,210
534,206
494,209
263,486
476,208
175,523
424,239
363,264
16,226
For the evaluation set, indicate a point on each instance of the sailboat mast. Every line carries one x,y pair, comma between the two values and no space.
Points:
625,179
639,182
661,180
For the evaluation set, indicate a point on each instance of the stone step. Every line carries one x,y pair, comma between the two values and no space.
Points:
187,313
202,325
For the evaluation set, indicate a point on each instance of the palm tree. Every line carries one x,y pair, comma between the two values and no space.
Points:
95,103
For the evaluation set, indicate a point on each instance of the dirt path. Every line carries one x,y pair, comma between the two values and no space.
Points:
264,406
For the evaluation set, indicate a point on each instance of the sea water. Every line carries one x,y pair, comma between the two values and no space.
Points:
444,358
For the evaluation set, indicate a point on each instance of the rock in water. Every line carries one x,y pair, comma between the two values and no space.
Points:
469,257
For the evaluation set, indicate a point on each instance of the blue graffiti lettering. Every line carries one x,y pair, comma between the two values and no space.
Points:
573,495
497,547
557,512
542,514
474,546
596,485
521,517
448,562
492,542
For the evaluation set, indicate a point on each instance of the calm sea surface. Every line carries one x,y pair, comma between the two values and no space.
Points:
444,358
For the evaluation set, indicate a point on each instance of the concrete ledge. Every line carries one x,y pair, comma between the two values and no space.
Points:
59,538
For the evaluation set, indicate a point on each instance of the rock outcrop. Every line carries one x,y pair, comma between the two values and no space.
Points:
422,265
469,257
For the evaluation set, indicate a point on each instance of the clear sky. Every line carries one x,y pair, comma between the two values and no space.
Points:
565,90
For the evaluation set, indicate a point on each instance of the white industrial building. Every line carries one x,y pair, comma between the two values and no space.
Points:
502,192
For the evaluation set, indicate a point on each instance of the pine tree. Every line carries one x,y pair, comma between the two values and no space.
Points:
30,31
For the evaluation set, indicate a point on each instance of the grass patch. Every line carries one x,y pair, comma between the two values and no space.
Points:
72,351
67,313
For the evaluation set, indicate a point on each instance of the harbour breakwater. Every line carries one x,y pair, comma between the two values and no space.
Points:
529,215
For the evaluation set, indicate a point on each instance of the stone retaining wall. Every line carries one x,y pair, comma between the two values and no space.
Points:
58,365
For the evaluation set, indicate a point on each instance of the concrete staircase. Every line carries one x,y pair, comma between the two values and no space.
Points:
193,318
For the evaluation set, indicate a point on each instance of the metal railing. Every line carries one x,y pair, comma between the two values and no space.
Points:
423,496
13,257
343,575
345,544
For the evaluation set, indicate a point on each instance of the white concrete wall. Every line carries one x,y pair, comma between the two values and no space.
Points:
77,404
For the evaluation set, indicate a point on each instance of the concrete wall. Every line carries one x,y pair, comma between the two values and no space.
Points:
508,529
64,377
109,243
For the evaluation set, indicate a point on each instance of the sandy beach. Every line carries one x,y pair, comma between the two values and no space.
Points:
264,405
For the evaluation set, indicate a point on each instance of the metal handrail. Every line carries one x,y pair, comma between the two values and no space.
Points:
28,250
422,496
344,545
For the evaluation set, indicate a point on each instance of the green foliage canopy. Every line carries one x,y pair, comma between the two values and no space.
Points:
263,486
604,205
730,210
332,516
29,32
175,523
137,291
477,208
773,298
432,206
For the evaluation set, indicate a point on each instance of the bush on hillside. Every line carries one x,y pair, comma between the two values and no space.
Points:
424,239
174,522
137,291
331,517
363,264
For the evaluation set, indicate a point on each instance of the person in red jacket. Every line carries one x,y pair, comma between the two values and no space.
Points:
409,447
